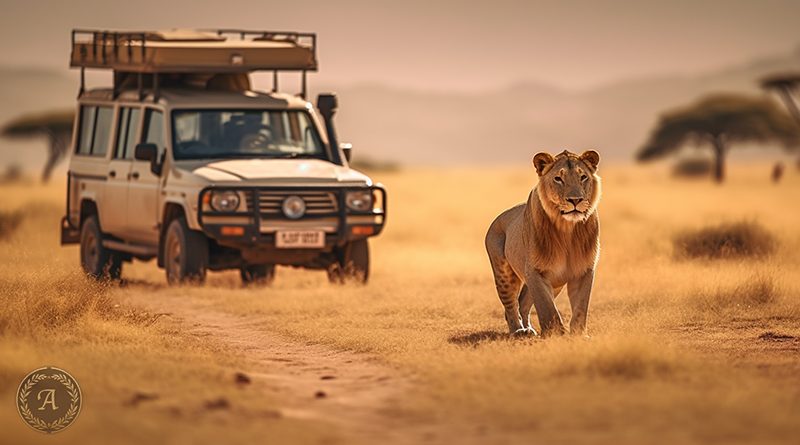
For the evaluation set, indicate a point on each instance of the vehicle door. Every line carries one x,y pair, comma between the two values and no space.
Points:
144,185
99,122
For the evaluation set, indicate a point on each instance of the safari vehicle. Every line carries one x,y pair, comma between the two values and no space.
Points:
181,161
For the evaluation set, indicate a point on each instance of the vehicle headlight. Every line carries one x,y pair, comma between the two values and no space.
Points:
225,201
360,201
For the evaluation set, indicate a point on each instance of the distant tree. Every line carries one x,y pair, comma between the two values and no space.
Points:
785,85
719,121
56,126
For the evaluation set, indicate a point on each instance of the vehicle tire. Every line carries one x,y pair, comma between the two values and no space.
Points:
352,265
98,261
257,274
185,254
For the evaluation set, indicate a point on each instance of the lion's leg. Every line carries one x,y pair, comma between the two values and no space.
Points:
505,279
508,285
542,295
525,305
580,290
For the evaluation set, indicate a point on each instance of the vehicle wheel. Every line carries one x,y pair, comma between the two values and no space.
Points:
185,253
97,261
257,274
353,263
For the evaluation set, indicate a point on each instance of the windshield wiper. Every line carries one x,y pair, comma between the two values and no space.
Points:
229,155
297,155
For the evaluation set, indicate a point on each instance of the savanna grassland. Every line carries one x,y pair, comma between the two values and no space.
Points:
684,347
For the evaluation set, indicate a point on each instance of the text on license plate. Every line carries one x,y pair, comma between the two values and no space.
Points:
299,239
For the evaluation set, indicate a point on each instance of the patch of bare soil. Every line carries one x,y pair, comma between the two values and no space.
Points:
767,344
349,390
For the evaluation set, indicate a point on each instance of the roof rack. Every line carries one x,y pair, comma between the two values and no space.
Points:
194,51
181,51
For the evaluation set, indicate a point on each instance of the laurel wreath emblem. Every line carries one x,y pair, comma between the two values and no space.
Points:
62,422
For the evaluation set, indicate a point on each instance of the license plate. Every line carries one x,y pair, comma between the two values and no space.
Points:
303,239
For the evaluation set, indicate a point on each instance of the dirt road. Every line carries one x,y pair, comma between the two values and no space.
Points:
353,392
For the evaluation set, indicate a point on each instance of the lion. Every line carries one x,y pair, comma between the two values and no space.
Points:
552,240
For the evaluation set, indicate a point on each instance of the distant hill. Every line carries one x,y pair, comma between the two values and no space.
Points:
24,90
511,124
424,127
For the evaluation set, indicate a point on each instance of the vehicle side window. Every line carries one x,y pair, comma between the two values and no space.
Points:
128,129
122,132
154,130
86,130
102,131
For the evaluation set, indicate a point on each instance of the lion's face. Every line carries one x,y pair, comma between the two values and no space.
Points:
569,187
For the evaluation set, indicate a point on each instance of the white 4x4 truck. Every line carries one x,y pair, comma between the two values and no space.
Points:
183,162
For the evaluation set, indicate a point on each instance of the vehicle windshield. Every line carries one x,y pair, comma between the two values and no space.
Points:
206,134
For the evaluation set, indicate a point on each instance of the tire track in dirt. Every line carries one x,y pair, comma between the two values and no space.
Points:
346,389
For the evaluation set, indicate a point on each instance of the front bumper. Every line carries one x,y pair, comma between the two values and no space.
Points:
256,225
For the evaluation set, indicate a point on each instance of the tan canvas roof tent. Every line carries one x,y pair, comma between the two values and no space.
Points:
147,54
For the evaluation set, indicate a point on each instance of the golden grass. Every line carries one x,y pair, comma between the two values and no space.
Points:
679,351
143,378
43,304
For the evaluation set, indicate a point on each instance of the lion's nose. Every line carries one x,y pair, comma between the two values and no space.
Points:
575,201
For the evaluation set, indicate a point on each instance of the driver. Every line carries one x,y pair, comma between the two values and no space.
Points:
241,128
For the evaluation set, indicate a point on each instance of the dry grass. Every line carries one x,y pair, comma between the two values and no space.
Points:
143,378
36,305
681,351
727,240
755,290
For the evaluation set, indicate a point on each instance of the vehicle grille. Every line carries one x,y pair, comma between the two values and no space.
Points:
317,203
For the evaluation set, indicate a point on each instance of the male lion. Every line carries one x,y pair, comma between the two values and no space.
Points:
552,240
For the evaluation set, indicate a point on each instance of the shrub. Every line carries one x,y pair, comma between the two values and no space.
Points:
9,221
692,168
375,165
12,174
727,240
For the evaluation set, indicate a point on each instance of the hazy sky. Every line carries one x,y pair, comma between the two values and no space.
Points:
446,44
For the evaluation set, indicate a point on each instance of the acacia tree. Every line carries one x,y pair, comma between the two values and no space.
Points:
56,126
719,121
785,85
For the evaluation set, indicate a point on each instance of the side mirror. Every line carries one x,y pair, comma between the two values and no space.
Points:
145,152
347,148
148,152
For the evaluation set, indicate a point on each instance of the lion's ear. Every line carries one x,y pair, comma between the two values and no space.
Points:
541,161
591,157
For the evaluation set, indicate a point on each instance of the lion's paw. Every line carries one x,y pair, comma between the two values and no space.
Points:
524,332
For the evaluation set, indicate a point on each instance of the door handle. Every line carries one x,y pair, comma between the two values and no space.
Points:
135,175
112,174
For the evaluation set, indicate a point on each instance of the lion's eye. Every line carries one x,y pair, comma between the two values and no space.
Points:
584,178
558,180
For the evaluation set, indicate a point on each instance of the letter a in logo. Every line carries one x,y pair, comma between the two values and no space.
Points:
49,399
